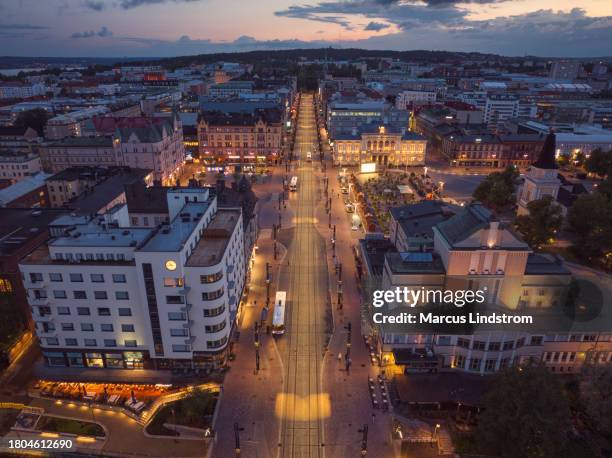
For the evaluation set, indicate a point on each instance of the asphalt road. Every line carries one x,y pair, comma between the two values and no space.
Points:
302,406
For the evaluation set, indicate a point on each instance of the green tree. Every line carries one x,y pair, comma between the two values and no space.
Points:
543,221
599,162
526,414
36,119
195,407
590,217
497,189
597,398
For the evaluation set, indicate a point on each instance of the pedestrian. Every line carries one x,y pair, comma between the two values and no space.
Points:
339,356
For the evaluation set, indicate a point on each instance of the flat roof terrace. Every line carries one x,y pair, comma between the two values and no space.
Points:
215,238
172,237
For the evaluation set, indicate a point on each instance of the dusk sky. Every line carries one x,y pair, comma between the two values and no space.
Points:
117,28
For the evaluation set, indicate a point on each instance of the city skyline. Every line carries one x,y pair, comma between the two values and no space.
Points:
164,28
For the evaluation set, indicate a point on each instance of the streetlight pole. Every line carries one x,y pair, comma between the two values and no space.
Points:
364,440
237,439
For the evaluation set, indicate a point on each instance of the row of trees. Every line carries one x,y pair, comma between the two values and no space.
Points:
528,413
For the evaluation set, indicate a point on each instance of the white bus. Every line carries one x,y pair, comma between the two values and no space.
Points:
278,319
293,184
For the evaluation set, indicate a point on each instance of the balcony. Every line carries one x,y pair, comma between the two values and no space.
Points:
189,340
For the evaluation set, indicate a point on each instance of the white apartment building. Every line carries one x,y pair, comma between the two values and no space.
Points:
499,107
16,90
16,166
105,296
406,98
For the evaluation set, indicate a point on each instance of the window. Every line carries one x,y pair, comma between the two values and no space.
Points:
461,342
55,277
216,343
176,316
97,278
124,311
175,300
52,341
509,345
478,345
59,294
63,310
520,342
180,332
87,327
494,346
79,294
36,277
76,278
122,295
100,295
67,327
459,361
103,311
71,342
216,327
110,343
119,278
106,327
211,278
536,340
130,343
475,364
209,296
180,348
490,365
83,311
171,282
214,312
127,328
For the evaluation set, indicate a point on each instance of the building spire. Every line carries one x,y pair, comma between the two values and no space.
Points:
546,160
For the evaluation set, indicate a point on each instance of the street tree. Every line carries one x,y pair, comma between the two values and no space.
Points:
497,189
590,217
599,162
36,119
526,414
597,398
542,223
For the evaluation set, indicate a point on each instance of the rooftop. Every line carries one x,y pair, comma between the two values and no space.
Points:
171,237
98,234
81,142
417,220
415,263
19,225
22,187
98,197
215,238
473,218
545,264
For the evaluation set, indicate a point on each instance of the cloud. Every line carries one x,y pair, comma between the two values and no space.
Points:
376,26
95,5
21,27
103,32
100,5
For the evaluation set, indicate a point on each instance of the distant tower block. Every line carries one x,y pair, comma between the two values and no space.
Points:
541,179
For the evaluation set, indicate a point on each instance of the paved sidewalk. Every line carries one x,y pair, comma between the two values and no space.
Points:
249,396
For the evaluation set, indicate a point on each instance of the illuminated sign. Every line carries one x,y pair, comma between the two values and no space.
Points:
368,168
170,264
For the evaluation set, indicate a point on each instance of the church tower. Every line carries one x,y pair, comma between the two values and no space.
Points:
541,179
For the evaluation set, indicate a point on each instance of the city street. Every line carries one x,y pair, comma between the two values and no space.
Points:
302,405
